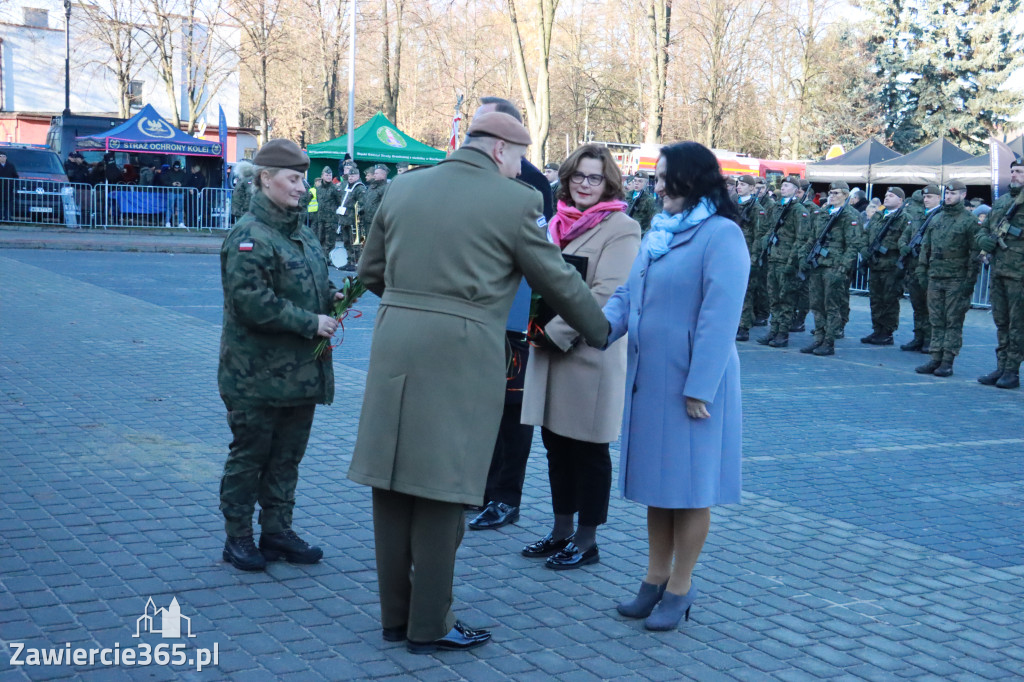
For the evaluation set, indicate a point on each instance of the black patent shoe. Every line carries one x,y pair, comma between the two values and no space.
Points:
546,547
242,554
459,638
495,515
290,547
572,557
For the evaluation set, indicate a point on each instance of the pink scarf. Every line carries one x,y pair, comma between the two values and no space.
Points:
569,222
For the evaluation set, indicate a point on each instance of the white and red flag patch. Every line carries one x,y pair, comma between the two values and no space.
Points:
245,246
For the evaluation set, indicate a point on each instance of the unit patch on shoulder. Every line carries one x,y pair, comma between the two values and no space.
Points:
542,222
245,246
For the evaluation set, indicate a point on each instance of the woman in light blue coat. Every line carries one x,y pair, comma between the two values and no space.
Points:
682,421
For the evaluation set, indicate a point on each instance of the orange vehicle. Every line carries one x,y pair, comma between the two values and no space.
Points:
775,170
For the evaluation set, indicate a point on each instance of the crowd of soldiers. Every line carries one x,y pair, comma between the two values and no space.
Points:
333,209
805,257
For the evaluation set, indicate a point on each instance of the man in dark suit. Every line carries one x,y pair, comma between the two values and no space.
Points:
504,491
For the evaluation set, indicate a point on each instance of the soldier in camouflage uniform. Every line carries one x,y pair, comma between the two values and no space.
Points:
885,282
375,192
762,303
640,202
916,278
829,278
802,296
1006,288
324,199
950,256
276,296
352,217
752,219
242,191
778,251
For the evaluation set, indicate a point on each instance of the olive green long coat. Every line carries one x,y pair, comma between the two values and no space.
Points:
447,272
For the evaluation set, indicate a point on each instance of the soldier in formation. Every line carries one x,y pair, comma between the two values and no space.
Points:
779,250
241,194
641,205
949,257
322,204
353,219
752,219
375,189
916,278
880,255
802,296
826,258
1001,237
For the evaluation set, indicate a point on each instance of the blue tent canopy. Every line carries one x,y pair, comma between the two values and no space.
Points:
147,132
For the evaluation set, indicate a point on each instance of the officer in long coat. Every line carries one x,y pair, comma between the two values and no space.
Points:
447,273
276,299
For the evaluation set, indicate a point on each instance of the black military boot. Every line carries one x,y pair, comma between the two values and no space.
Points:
242,554
926,347
928,367
991,378
743,334
1010,379
945,368
870,338
761,322
781,340
914,345
825,348
814,344
797,327
766,339
290,547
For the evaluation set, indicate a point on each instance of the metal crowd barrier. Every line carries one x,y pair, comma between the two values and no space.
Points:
214,209
979,299
45,202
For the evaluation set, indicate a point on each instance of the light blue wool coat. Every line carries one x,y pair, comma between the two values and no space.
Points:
682,311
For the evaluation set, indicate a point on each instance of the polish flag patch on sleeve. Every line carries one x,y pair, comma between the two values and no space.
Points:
245,246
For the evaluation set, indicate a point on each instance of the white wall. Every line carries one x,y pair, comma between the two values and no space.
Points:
33,68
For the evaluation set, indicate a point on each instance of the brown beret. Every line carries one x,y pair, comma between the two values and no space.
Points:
955,185
792,179
748,180
931,189
501,126
898,191
840,184
281,153
804,184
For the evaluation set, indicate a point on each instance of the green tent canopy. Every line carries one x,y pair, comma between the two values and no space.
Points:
378,141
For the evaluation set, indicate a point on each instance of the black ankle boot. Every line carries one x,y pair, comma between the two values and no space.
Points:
241,552
991,378
290,547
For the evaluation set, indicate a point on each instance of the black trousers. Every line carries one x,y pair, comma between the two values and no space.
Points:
512,449
580,474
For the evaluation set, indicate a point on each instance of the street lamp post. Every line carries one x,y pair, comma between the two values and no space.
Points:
67,57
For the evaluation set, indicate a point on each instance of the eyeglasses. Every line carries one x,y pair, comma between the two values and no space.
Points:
835,191
579,178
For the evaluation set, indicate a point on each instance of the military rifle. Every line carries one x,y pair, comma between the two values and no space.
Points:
876,249
915,242
1004,227
819,250
773,237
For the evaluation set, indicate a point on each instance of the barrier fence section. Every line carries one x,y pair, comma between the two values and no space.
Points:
979,299
214,209
45,202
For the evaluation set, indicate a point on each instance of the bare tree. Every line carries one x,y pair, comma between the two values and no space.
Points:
659,20
209,58
537,99
329,15
112,24
259,22
161,19
391,62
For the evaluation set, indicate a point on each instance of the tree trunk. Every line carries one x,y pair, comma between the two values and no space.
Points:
659,16
538,107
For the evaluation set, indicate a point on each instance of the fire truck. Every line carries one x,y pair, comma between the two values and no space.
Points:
642,159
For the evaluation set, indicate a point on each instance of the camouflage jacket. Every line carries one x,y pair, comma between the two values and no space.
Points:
845,239
752,220
240,197
327,199
641,209
787,249
894,224
1009,261
948,250
275,283
374,193
353,199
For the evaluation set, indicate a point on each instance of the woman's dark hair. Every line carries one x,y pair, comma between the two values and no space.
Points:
692,172
610,170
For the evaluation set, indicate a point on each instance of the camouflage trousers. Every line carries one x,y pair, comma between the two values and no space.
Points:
348,239
1007,296
327,233
845,313
885,289
263,466
781,289
762,302
917,287
948,302
828,289
802,302
748,316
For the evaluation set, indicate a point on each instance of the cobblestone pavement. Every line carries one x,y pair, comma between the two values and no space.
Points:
879,538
